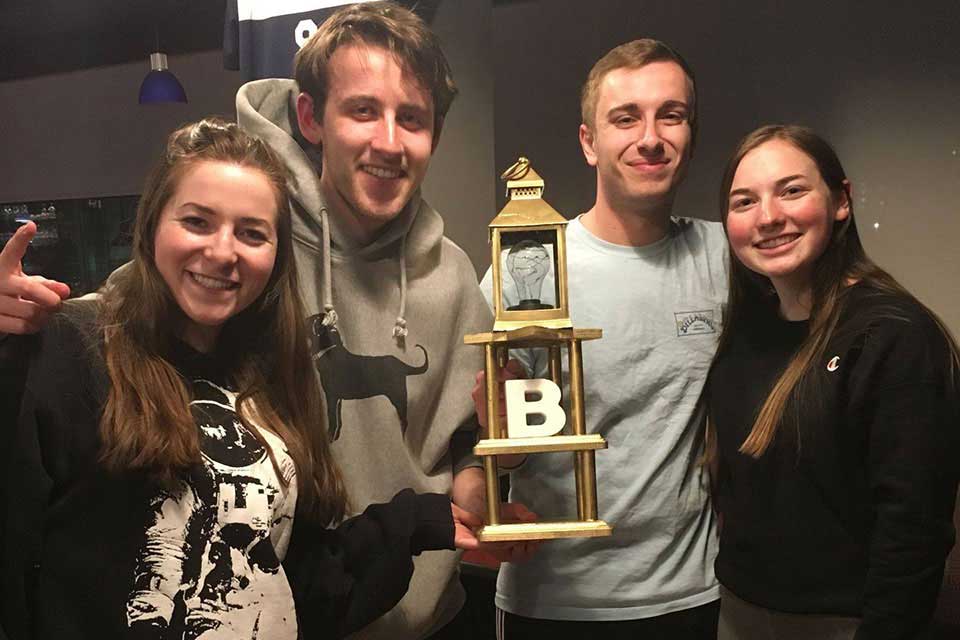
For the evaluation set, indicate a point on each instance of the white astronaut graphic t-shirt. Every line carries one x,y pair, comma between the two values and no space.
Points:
210,564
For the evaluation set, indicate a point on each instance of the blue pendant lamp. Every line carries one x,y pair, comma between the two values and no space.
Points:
161,85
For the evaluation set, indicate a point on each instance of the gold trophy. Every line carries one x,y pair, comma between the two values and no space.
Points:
528,240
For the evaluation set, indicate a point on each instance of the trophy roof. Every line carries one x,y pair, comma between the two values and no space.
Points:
526,206
529,178
526,213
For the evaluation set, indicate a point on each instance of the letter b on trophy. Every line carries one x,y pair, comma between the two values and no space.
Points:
538,399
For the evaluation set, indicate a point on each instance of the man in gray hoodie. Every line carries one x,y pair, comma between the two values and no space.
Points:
389,297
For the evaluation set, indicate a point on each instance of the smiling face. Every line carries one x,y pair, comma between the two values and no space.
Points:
377,136
780,214
640,141
216,244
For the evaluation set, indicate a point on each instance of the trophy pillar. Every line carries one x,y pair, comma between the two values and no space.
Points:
491,478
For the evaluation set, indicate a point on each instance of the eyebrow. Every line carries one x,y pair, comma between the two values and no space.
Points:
260,222
199,207
263,222
359,98
351,101
673,104
779,183
632,107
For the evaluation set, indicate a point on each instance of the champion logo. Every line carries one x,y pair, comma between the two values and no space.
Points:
834,363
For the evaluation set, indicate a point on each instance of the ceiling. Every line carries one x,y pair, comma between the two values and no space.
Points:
39,37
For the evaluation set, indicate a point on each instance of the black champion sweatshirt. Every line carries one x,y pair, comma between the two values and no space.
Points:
849,511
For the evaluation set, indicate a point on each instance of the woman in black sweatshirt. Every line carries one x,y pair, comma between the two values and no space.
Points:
834,405
169,475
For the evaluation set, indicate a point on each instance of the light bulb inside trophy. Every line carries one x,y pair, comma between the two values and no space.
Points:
531,312
528,264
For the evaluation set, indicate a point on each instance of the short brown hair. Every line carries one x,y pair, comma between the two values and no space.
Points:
378,24
633,55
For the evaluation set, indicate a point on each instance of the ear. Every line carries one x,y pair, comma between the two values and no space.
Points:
436,135
843,204
586,143
306,118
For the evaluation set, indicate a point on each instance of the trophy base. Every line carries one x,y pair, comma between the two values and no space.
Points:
544,530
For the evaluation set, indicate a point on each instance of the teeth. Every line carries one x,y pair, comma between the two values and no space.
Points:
380,172
776,242
212,283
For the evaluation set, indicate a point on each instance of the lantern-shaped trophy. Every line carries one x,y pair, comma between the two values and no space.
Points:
529,243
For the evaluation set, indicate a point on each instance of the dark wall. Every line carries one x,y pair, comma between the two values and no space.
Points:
460,183
880,80
82,133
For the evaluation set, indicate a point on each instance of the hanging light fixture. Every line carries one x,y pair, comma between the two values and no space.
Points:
160,85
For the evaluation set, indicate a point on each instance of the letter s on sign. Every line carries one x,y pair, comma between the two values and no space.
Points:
519,408
305,29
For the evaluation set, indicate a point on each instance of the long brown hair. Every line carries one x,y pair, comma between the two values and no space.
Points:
146,423
842,263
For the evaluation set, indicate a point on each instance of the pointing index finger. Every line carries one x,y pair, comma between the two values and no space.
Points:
16,247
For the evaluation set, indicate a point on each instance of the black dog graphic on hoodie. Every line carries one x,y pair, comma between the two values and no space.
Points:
350,376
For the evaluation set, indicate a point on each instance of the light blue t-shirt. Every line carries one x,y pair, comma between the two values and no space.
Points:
660,307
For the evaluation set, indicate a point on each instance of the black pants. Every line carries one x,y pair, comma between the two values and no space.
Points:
475,621
698,623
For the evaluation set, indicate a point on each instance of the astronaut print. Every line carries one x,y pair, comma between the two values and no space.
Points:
210,563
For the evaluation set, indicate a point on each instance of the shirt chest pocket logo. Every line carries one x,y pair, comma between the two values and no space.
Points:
693,323
833,364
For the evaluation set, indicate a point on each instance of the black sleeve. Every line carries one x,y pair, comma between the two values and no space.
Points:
913,421
11,389
14,356
22,522
43,377
13,374
344,578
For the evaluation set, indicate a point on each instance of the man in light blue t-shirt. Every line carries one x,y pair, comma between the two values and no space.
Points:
656,285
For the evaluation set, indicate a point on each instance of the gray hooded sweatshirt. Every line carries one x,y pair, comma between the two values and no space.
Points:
387,322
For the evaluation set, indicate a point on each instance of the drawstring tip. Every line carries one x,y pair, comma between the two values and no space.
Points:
330,317
400,328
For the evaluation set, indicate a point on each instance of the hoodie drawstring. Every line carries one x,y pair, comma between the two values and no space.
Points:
400,327
329,313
